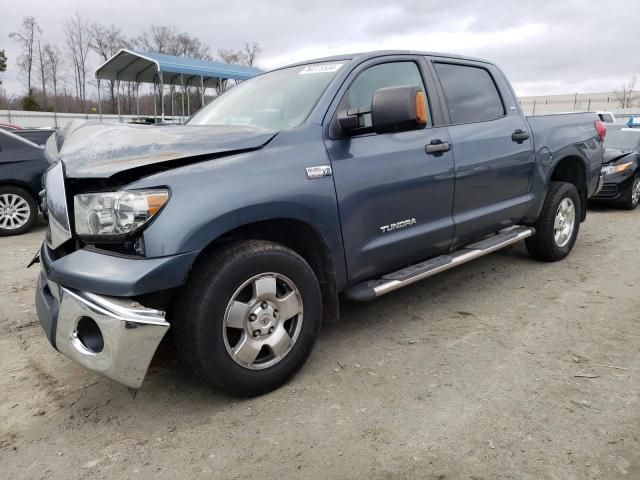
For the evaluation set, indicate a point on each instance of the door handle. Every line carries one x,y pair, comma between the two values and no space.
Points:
437,147
519,136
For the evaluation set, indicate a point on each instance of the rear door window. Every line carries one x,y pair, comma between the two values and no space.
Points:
470,93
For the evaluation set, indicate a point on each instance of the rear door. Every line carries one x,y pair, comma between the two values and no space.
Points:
394,199
492,148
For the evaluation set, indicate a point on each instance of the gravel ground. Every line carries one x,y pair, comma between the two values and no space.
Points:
503,368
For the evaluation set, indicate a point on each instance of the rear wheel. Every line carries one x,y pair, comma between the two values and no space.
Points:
248,317
18,211
558,225
632,195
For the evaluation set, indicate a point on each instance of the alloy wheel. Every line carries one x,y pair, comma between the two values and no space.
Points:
564,222
262,321
14,211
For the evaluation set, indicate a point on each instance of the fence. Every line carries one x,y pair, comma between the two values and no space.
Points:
535,106
54,120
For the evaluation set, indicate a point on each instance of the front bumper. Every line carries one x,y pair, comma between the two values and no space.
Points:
615,186
114,337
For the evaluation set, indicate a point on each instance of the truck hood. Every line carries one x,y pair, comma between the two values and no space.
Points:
613,154
100,150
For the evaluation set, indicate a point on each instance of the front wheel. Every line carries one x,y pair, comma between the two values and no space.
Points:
248,317
558,225
18,211
632,195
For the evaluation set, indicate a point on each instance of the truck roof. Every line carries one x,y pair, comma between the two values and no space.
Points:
379,53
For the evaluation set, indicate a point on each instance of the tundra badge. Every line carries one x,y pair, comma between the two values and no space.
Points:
320,171
395,226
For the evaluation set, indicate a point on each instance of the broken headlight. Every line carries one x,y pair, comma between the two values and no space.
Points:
116,214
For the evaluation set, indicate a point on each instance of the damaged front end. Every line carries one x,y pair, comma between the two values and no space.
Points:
94,289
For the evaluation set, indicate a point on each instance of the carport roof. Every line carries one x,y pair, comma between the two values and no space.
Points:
132,66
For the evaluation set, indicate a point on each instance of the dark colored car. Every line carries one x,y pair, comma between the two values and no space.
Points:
22,164
39,136
621,168
354,175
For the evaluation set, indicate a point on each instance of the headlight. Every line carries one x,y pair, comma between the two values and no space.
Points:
116,213
611,169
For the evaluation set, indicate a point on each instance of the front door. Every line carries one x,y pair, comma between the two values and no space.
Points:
395,200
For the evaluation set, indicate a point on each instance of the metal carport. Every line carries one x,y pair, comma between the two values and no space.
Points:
160,69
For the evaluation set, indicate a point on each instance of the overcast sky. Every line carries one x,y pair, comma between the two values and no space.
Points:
544,46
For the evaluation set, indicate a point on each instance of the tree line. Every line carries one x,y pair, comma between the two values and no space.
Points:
56,77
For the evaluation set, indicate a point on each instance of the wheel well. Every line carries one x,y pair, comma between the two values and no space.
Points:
572,170
302,239
23,186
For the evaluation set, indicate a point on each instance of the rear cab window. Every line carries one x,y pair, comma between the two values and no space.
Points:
470,92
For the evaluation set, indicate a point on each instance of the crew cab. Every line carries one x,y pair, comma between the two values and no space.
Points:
349,176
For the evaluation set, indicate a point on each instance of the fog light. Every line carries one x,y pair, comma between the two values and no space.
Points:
90,335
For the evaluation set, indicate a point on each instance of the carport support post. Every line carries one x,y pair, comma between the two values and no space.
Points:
161,98
188,98
171,92
99,103
202,90
182,82
138,99
118,91
155,104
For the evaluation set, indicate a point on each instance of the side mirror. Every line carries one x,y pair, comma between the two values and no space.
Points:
398,109
393,109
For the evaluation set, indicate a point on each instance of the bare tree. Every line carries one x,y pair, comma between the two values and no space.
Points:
27,38
228,55
106,41
78,36
250,53
158,39
53,61
184,45
43,70
626,96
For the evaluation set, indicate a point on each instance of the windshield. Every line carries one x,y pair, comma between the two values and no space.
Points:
280,100
622,139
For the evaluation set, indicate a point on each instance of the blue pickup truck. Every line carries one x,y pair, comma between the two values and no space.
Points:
348,176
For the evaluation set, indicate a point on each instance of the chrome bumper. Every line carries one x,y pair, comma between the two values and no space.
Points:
111,336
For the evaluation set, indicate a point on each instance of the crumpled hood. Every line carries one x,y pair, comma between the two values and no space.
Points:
100,150
613,154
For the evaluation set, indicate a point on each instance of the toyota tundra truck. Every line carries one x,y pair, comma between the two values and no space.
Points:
351,176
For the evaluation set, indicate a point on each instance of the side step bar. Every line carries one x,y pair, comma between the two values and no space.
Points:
393,281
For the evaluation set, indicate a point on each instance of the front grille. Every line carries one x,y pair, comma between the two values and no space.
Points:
609,190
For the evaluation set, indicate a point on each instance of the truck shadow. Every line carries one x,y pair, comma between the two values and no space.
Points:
455,288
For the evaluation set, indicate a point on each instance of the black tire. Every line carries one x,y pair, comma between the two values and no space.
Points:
543,244
198,315
15,194
629,202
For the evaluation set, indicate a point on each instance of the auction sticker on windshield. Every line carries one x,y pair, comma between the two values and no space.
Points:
323,68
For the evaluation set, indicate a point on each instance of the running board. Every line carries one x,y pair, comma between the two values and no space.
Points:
393,281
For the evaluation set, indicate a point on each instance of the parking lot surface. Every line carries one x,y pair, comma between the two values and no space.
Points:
503,368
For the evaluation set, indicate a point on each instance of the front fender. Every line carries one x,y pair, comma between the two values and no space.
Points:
211,198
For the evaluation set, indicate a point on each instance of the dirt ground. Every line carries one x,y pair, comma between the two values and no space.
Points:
503,368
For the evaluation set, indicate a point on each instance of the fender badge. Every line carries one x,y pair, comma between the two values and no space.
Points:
319,171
